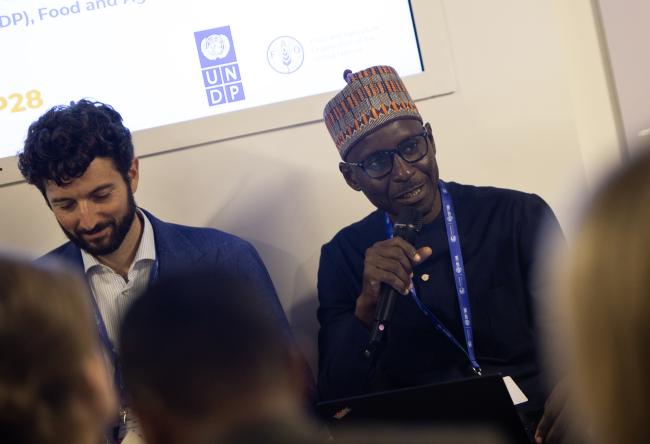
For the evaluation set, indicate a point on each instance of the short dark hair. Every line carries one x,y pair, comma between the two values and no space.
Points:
192,342
66,139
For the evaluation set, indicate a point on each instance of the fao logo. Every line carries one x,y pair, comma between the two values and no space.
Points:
285,55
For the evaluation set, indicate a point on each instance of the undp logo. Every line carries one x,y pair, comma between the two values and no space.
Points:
219,67
215,46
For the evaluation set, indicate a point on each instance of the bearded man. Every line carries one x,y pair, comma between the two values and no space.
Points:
81,158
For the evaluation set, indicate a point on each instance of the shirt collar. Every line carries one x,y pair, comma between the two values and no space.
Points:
146,249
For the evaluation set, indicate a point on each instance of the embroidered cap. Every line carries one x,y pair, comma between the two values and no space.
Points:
371,99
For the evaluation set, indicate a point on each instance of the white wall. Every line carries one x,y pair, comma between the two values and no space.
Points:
532,112
627,35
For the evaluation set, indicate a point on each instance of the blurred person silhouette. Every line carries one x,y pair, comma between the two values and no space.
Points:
604,301
205,363
54,385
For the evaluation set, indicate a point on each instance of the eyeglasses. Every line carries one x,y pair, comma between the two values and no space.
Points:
380,164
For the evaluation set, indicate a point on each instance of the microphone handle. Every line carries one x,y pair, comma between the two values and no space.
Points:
385,307
408,223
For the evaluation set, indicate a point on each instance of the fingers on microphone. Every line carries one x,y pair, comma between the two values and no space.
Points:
394,276
424,253
407,249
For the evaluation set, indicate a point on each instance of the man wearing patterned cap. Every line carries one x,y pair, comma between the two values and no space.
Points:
466,280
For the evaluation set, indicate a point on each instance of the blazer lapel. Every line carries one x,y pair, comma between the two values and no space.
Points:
174,250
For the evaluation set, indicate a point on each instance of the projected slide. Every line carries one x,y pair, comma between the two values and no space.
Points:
162,61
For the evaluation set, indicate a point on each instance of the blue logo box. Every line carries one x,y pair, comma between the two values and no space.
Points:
219,67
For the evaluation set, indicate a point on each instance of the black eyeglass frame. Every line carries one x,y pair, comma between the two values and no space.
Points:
392,152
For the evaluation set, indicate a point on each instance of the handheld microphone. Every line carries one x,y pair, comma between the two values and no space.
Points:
409,223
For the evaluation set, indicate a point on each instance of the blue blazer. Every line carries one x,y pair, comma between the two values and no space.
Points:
181,248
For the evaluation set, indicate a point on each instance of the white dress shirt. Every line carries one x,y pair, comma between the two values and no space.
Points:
114,294
111,291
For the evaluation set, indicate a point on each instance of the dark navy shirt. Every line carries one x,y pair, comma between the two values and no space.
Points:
499,233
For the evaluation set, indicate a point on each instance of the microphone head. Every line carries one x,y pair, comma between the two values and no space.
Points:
408,224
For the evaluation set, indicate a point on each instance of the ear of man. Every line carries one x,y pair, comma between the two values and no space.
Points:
134,174
430,136
350,176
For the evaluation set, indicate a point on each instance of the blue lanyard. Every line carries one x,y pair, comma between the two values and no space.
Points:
108,344
458,268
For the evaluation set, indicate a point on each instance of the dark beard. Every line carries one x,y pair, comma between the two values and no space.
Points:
120,230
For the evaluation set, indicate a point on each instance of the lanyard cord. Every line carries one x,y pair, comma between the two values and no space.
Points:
458,268
108,344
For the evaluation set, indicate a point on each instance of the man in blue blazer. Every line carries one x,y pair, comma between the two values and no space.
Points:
180,247
81,159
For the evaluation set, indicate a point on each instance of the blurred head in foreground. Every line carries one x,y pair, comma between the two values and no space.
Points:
605,294
204,359
54,386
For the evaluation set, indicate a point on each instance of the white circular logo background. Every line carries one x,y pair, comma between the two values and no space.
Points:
285,55
215,46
